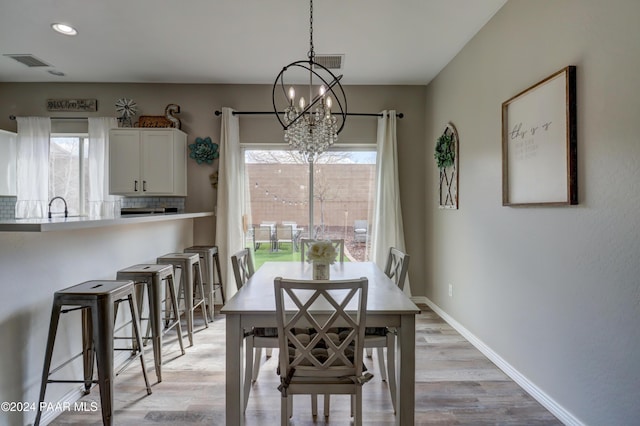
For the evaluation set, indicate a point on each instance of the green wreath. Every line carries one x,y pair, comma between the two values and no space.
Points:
444,153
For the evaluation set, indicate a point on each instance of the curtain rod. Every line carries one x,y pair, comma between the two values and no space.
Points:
13,117
399,115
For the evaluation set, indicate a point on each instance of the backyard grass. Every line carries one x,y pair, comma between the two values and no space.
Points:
285,253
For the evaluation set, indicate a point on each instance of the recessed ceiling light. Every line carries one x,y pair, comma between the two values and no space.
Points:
64,29
56,73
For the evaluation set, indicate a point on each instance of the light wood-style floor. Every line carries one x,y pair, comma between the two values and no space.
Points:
455,385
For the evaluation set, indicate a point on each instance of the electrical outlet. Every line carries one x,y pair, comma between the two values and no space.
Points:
450,290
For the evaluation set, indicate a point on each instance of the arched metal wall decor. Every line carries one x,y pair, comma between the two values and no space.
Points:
446,155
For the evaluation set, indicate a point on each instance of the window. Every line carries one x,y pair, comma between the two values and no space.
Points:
278,197
68,172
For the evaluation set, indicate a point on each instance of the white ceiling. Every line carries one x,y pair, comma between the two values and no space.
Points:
235,41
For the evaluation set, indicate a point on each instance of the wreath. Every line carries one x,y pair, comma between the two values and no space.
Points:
444,154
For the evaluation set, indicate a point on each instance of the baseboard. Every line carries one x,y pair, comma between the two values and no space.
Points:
419,300
67,400
74,395
538,394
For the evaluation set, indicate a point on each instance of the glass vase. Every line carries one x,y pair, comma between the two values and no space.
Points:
320,270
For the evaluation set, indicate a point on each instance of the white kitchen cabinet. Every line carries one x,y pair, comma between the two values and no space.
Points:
8,161
147,162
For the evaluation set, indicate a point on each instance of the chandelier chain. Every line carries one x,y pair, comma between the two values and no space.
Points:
311,52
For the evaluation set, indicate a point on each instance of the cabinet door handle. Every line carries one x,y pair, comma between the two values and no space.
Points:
144,185
135,186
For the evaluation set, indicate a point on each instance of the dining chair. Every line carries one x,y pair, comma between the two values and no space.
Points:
258,337
305,243
242,266
321,345
383,337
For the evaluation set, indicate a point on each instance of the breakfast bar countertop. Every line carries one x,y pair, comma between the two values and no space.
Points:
83,222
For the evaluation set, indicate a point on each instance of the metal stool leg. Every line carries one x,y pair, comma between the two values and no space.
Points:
187,288
216,259
102,315
155,300
53,328
174,303
138,336
88,349
203,299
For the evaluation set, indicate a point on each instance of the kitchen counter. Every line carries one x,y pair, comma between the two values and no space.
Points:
83,222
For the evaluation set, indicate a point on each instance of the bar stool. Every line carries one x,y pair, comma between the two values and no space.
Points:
190,280
209,257
98,301
152,277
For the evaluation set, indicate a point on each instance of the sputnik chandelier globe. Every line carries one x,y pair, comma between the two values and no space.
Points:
310,127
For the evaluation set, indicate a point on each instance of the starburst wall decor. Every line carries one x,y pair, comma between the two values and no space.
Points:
127,108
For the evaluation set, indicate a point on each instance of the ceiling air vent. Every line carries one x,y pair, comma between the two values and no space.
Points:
332,62
29,60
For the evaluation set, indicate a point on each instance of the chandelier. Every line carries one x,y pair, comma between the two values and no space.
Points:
310,127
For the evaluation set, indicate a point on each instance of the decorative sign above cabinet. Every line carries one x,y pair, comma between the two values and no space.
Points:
72,105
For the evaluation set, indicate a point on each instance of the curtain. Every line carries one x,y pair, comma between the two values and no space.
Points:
231,207
32,180
101,204
387,215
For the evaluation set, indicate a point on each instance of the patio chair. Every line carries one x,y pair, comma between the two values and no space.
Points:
305,243
258,337
262,234
321,352
284,234
360,231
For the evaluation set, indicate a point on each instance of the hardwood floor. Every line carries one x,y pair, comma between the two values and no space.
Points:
455,385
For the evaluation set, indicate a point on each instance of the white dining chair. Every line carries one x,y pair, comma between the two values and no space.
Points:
321,352
382,338
257,338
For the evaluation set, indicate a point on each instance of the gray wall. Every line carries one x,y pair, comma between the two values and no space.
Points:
553,291
198,103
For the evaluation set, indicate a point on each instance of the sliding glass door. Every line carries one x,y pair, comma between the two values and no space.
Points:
277,192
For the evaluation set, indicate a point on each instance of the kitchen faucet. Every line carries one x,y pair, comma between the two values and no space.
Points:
66,212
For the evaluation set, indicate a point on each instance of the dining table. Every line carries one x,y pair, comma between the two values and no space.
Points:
254,306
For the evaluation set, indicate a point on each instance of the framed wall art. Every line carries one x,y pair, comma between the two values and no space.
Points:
446,155
539,143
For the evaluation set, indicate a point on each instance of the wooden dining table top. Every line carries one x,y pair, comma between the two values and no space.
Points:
258,296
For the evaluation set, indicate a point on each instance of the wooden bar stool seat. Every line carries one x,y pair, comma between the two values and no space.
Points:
208,259
98,301
190,281
152,277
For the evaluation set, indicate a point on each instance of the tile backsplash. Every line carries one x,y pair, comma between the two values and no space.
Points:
8,208
8,204
154,202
